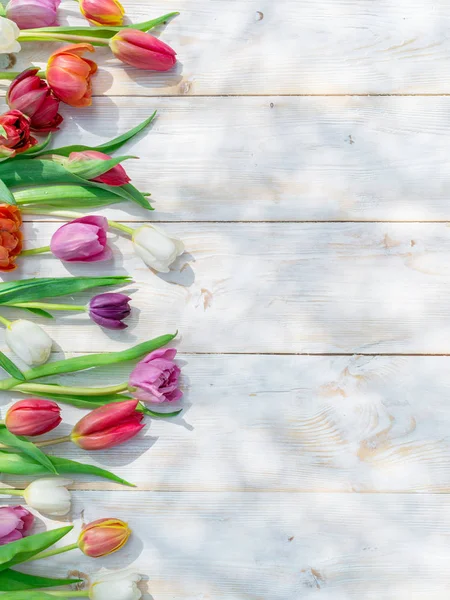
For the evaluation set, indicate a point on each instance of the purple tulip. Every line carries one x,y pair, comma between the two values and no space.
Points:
109,310
82,240
30,14
15,523
155,378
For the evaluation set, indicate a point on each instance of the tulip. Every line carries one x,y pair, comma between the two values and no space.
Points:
82,240
103,537
120,586
78,163
156,248
15,523
33,96
69,74
15,134
142,50
108,426
49,496
29,341
109,310
33,417
30,14
155,378
103,12
10,236
9,34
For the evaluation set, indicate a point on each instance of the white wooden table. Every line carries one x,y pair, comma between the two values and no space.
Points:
302,153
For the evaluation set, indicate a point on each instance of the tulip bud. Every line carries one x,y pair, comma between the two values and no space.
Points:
15,523
33,417
82,240
120,586
103,12
142,50
156,248
10,236
9,34
32,96
15,134
155,379
103,537
69,74
108,426
79,163
108,310
29,341
31,14
49,496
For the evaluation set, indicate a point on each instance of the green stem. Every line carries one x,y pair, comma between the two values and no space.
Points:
46,306
56,37
6,322
79,391
53,552
11,492
75,594
121,227
61,440
10,75
35,251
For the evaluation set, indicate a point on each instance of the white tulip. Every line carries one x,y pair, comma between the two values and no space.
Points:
49,496
29,342
119,586
9,32
156,248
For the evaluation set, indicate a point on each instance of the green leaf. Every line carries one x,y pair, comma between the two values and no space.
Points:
35,150
27,595
7,365
21,464
11,581
36,311
20,551
6,195
158,415
137,196
23,445
94,167
29,290
66,196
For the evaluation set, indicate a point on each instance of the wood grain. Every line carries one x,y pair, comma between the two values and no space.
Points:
285,47
364,288
202,546
286,423
279,159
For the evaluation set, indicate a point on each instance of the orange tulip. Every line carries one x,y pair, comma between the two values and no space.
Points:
103,537
103,12
10,236
69,74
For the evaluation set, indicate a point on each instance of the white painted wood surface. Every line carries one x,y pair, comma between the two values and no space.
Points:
287,475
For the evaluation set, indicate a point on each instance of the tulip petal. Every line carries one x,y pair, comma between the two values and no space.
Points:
105,417
116,435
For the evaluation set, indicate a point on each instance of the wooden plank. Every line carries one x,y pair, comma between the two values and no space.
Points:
287,423
199,546
364,288
285,47
280,159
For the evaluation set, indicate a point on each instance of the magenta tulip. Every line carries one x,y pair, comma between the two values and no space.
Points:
142,50
30,14
15,523
155,379
32,417
82,240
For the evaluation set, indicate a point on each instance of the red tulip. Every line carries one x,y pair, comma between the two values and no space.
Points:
78,160
33,417
33,96
15,134
108,426
69,74
142,50
103,12
103,537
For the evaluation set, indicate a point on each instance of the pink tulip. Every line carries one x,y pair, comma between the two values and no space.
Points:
103,537
15,523
142,50
33,96
30,14
155,379
82,240
77,160
32,417
70,75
